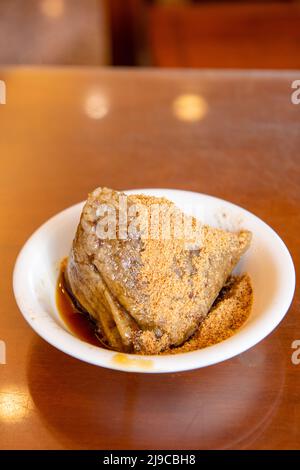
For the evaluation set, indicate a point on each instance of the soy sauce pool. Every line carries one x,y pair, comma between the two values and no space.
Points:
77,322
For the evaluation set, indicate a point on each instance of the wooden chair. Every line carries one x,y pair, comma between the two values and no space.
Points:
258,34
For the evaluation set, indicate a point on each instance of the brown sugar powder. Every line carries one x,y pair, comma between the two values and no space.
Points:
229,312
195,273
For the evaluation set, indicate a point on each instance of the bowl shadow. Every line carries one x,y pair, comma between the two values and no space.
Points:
225,406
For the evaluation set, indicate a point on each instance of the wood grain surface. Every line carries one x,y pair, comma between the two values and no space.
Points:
231,134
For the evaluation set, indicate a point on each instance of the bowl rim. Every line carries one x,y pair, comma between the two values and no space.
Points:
68,343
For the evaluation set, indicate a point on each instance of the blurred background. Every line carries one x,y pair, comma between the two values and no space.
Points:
159,33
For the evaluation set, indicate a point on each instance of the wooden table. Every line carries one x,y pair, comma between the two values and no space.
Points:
66,131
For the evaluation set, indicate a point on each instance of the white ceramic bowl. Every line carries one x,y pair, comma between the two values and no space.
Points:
267,261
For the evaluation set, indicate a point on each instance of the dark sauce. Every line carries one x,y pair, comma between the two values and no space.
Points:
81,325
78,322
